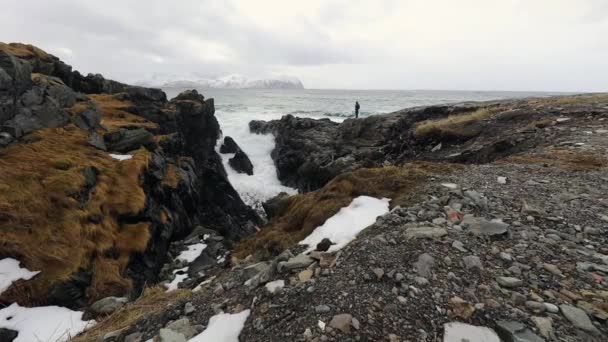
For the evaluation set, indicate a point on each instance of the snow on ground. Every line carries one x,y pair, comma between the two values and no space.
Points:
193,252
344,226
44,323
264,183
121,156
223,328
178,279
11,271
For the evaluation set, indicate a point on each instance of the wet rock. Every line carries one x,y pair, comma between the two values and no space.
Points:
425,233
241,163
509,282
229,146
459,332
578,318
459,246
341,322
108,305
88,119
511,331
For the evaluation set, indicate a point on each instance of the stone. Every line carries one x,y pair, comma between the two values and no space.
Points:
97,141
544,326
8,335
502,180
461,332
299,261
461,308
168,335
578,318
424,265
241,163
472,262
322,308
182,326
451,186
275,287
188,308
108,305
481,227
479,201
341,322
552,308
308,334
229,146
552,269
305,275
425,233
512,331
134,337
125,140
5,139
378,272
459,246
509,282
110,336
535,307
324,245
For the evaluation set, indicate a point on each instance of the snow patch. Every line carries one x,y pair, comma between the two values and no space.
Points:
121,156
11,271
344,226
44,323
173,285
193,252
223,328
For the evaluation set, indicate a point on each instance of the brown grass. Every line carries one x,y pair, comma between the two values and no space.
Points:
152,301
25,51
452,126
563,158
171,177
116,115
45,227
594,99
307,211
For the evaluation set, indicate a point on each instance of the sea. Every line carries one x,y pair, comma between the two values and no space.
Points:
235,108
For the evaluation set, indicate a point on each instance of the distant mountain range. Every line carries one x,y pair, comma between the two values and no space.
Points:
233,81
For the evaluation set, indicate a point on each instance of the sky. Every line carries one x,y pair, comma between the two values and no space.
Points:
540,45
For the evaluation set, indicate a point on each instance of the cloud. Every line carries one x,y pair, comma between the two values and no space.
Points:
404,44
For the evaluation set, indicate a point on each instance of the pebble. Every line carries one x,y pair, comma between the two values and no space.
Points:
509,282
472,262
322,308
341,322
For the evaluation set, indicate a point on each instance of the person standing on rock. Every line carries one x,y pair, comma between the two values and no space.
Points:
357,109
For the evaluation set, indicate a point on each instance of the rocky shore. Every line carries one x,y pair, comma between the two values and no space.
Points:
496,227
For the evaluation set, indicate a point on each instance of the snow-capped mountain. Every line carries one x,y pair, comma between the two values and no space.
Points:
233,81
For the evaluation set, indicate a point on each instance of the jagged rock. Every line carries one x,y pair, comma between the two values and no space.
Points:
424,265
126,140
241,163
511,331
544,326
88,119
97,141
8,335
229,146
108,305
578,318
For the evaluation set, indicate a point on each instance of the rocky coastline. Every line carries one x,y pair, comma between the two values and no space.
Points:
496,226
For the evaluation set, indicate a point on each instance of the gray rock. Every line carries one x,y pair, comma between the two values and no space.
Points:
182,326
341,322
168,335
511,331
97,141
578,318
509,282
322,308
188,308
134,337
425,233
477,199
108,305
459,246
461,332
472,262
5,139
112,336
424,265
126,140
482,227
8,335
299,261
551,307
241,163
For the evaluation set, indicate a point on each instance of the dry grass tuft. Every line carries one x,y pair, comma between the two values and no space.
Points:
152,301
454,126
171,177
562,158
307,211
25,51
43,225
116,115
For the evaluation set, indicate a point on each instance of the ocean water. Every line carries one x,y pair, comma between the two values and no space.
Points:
235,108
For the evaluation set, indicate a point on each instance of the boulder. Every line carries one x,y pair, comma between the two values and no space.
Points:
229,146
125,140
511,331
108,305
241,163
276,205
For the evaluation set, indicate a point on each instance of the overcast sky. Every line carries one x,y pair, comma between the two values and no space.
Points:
556,45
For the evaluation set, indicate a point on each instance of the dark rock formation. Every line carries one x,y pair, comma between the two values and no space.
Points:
126,140
241,163
229,146
277,205
8,335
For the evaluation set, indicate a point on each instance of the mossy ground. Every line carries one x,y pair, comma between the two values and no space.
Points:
116,113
